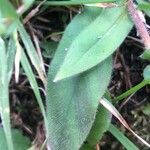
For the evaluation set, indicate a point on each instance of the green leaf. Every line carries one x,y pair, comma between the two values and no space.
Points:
146,54
7,10
72,103
11,51
86,146
31,77
146,73
7,17
74,2
96,42
145,6
122,138
101,125
28,3
146,109
4,96
20,142
49,48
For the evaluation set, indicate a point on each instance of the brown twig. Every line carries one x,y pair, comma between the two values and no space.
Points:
139,24
33,12
126,72
97,147
36,42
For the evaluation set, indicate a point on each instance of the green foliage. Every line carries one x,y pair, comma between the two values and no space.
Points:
4,97
11,51
122,138
20,142
75,2
100,125
72,103
7,17
146,110
87,51
49,48
145,6
28,70
28,3
10,23
146,73
146,55
132,90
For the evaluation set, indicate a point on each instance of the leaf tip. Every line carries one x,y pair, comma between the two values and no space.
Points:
56,79
59,76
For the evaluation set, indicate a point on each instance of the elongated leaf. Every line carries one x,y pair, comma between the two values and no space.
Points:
31,77
144,6
87,146
122,138
28,70
96,42
11,51
7,9
101,124
28,3
146,73
72,103
31,51
74,2
4,96
115,112
144,3
20,142
7,17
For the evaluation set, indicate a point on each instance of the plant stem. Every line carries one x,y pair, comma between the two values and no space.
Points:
132,90
139,24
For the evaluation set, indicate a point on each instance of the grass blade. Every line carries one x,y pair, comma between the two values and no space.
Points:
4,97
20,142
31,77
115,112
31,52
122,138
75,2
11,51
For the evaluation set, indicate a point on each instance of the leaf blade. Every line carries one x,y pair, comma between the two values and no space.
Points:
122,138
75,2
20,142
4,97
29,73
72,104
100,126
87,51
